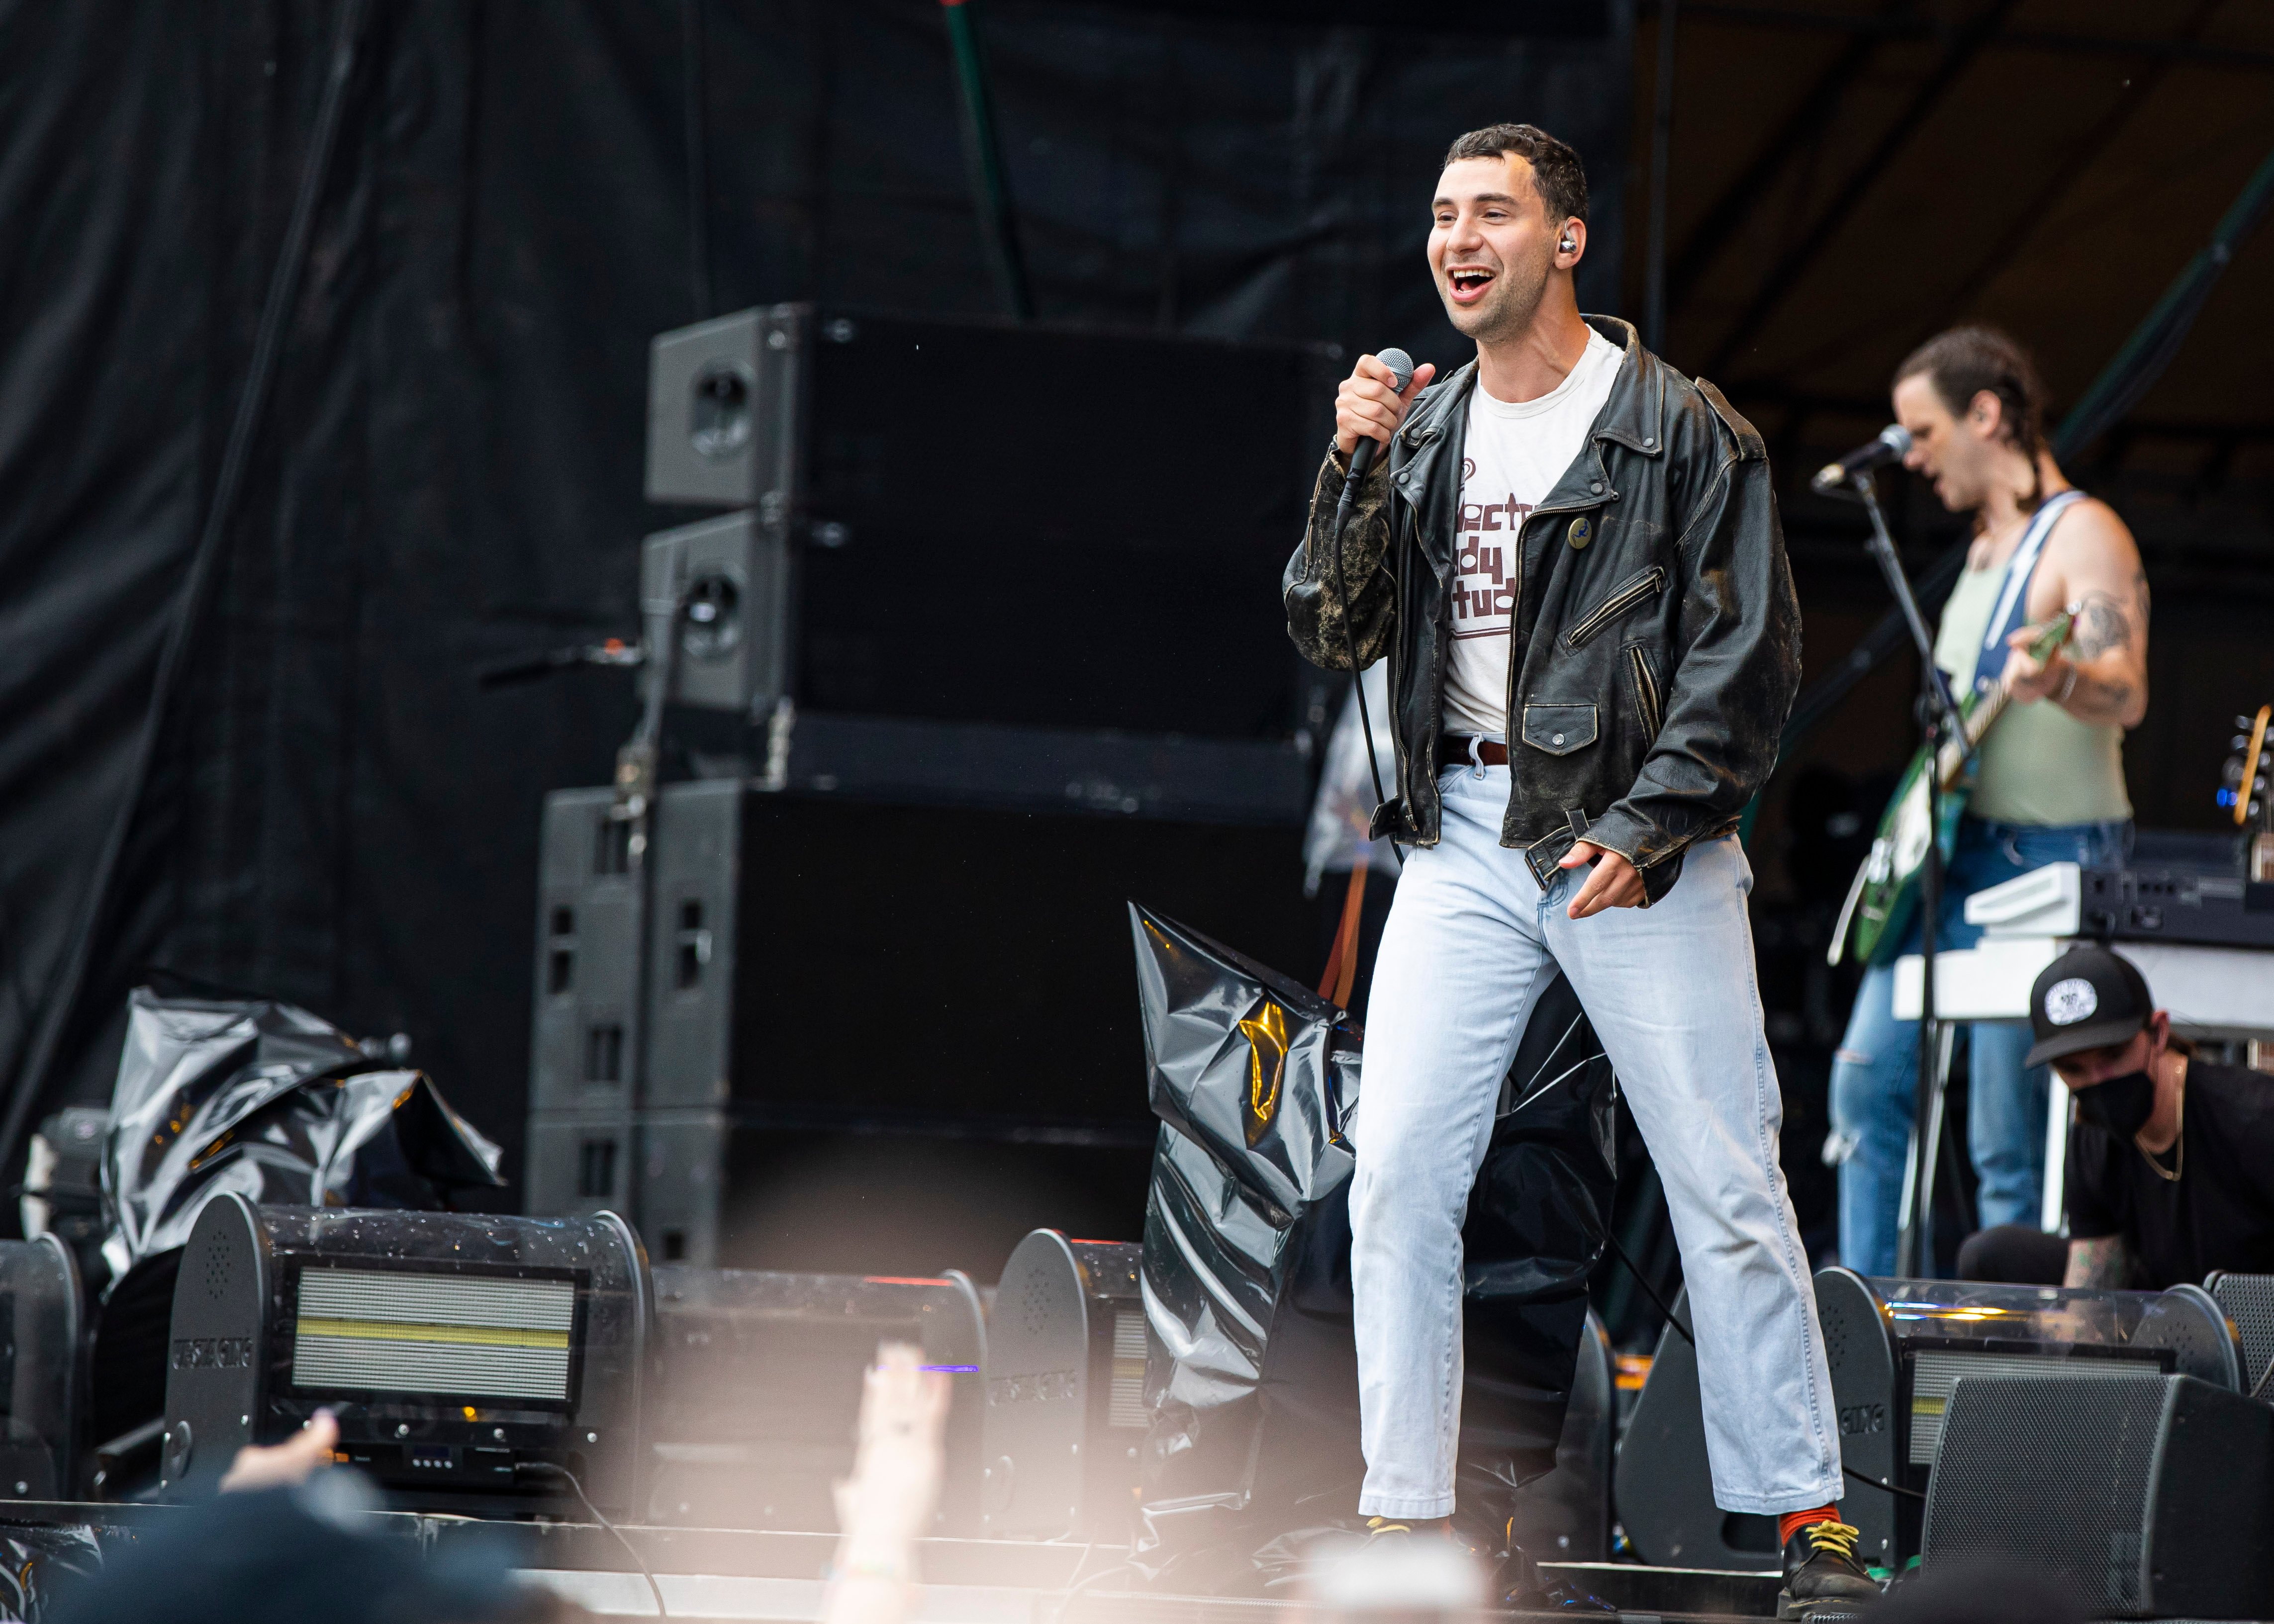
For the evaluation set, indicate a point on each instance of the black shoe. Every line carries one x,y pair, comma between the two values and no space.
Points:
1822,1578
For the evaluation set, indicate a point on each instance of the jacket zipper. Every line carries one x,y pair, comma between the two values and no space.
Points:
1645,692
1615,605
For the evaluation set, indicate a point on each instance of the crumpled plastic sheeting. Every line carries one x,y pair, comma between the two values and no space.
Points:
1251,1376
38,1560
268,1099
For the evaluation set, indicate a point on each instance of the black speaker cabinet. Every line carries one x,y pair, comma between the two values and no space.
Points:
1566,1516
846,436
470,1359
1663,1485
44,1381
1065,1391
759,1385
2151,1494
725,398
727,581
1897,1346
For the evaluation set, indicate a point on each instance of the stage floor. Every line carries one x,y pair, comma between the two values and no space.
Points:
736,1574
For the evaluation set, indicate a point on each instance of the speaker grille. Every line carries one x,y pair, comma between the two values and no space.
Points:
2050,1470
1933,1373
2248,1300
446,1334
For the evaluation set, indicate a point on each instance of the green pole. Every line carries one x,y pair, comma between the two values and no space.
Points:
2158,336
982,155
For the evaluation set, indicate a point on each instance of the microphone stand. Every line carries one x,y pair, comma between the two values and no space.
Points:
1939,716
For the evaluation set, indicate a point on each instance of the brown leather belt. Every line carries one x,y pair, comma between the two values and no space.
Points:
1453,749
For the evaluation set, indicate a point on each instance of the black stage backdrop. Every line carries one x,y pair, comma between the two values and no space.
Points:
449,468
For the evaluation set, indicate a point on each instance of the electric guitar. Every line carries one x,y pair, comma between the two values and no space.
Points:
1886,889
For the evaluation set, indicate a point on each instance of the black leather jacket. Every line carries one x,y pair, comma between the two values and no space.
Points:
1655,642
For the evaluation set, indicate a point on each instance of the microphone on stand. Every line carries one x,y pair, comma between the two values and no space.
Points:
1892,446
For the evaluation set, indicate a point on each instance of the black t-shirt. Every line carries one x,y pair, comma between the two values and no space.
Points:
2220,1212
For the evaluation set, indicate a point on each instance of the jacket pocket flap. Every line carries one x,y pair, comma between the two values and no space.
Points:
1559,729
1623,597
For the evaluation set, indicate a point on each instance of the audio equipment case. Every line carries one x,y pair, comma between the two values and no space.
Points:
470,1359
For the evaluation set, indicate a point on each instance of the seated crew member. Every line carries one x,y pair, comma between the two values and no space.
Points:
2171,1162
2049,773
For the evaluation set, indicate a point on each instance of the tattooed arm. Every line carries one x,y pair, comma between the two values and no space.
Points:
2101,675
2098,1263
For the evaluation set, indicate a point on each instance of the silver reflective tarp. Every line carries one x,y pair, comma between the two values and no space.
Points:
271,1100
1251,1373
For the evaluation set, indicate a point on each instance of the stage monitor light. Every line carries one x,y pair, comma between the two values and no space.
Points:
760,1378
470,1359
42,1384
1067,1416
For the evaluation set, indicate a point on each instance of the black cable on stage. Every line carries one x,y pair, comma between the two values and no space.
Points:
1650,1289
29,1085
1880,1483
630,1550
1350,651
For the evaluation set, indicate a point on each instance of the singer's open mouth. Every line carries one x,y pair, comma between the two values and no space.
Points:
1468,282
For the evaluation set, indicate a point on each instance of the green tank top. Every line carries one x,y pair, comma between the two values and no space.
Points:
2038,764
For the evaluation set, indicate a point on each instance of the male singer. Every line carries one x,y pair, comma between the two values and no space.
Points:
1571,559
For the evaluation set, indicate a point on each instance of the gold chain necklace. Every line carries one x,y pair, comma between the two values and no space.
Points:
2179,1144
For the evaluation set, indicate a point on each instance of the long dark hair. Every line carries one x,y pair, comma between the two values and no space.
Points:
1965,361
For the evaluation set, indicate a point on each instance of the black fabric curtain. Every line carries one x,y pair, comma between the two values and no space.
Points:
449,470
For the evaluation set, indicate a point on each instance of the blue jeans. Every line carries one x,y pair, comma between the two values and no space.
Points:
1672,992
1875,1074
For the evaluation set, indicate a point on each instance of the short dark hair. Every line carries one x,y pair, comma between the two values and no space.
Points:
1557,171
1964,362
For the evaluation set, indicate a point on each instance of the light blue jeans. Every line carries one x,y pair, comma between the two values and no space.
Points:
1875,1071
1672,992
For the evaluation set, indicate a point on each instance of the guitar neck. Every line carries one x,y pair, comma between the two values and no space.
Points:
1952,762
1988,707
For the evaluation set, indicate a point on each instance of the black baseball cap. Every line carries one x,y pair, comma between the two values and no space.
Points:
2087,998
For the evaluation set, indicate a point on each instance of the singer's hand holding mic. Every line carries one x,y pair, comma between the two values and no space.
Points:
1372,402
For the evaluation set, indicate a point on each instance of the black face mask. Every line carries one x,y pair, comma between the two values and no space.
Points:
2122,1104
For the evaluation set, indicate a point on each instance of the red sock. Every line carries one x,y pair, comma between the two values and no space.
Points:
1793,1521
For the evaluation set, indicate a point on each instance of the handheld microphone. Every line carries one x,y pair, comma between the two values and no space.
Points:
1362,459
1892,446
1400,371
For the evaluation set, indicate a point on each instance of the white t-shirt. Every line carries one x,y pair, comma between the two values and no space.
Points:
1515,455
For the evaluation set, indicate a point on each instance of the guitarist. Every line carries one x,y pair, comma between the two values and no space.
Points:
2050,776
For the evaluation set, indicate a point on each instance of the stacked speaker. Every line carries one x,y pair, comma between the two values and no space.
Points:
953,681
